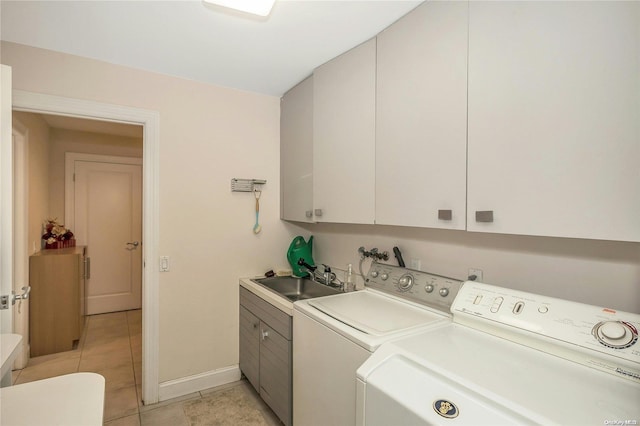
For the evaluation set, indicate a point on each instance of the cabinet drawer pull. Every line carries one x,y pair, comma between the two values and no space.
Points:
87,268
318,212
445,214
484,216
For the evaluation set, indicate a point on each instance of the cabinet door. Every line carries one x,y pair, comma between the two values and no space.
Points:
275,372
296,153
421,120
554,118
54,308
250,347
344,137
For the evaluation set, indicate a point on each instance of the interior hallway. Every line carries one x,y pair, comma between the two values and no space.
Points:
111,345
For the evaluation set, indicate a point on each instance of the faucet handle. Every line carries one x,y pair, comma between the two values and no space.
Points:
327,268
301,262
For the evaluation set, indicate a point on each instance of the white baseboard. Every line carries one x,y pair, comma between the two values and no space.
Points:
186,385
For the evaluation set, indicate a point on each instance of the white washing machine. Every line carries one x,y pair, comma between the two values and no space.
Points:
507,358
334,335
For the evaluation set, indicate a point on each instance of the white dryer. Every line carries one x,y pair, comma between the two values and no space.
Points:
508,357
334,335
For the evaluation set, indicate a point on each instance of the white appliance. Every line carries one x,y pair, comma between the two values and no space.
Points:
508,357
334,335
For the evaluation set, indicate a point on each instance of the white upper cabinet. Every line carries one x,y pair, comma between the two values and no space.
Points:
554,119
296,153
344,137
421,122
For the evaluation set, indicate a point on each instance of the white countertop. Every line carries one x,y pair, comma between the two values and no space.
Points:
9,349
73,399
280,302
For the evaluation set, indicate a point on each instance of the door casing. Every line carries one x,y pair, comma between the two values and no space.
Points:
150,120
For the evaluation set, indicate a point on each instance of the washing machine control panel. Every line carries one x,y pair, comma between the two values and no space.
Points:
605,338
416,286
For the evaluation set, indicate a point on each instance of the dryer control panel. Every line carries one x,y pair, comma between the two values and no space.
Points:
603,338
417,286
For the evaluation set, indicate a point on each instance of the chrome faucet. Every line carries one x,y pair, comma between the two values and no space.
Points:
327,275
327,278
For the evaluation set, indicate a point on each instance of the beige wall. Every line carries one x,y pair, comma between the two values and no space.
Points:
604,273
208,135
63,141
38,172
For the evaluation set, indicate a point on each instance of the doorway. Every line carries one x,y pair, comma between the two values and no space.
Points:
106,192
47,104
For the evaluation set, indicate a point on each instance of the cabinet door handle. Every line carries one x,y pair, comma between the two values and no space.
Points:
255,325
484,216
318,212
309,214
445,214
87,268
265,334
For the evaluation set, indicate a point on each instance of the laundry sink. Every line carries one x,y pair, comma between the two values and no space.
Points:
294,288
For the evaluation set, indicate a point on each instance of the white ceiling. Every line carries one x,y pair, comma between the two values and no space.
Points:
197,41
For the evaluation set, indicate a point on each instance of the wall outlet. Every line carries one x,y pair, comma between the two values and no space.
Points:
415,264
477,273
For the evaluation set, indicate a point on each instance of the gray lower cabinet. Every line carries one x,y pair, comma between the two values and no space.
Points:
266,352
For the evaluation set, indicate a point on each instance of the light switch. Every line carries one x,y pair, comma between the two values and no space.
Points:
164,263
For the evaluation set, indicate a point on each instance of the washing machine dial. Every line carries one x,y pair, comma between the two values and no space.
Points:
429,288
384,276
615,334
374,274
405,282
444,292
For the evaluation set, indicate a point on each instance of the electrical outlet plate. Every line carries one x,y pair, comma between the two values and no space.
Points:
164,264
415,264
477,273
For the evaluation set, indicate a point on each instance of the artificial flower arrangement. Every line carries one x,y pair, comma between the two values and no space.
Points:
56,235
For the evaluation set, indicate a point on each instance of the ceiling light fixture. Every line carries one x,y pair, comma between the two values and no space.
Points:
255,7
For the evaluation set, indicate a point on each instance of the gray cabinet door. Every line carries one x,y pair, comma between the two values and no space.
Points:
275,372
266,352
250,347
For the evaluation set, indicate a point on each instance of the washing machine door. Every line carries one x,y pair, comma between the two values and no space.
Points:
455,375
401,392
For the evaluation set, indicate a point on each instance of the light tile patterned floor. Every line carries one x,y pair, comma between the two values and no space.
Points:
111,345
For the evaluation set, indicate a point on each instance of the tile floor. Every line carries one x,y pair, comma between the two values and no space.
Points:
111,345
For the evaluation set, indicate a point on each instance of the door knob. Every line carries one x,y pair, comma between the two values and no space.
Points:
134,244
23,296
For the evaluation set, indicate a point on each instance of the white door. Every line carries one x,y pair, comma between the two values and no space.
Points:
6,199
20,238
108,220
